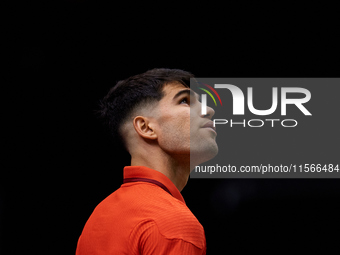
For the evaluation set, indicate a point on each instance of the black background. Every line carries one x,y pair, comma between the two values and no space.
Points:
61,58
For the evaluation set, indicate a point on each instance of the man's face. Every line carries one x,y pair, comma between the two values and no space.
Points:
182,130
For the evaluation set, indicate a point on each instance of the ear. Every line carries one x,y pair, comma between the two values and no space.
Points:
144,128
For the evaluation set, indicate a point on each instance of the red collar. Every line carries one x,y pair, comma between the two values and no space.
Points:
142,173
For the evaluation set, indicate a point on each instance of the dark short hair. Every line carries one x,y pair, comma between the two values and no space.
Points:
136,91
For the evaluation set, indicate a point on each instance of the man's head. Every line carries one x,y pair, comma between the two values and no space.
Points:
153,109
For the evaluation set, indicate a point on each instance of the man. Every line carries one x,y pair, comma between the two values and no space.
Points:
158,119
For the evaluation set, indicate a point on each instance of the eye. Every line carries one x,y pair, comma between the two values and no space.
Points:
185,101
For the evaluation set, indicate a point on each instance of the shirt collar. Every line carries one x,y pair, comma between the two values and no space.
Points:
145,172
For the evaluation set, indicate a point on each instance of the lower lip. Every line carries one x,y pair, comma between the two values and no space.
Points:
211,129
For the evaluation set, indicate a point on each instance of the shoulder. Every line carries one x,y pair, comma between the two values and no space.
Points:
170,219
150,209
148,236
179,221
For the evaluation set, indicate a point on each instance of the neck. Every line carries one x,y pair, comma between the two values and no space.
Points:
176,168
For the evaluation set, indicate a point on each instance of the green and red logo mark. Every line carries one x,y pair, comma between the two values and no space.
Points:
204,97
213,90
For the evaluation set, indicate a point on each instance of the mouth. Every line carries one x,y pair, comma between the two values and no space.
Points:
210,125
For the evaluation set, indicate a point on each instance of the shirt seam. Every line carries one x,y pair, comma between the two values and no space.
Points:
176,238
159,232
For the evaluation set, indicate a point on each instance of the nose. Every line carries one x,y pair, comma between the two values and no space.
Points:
210,113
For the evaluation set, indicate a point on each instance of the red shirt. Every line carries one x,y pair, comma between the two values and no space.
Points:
146,215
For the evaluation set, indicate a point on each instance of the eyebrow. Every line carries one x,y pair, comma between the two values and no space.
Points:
187,91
